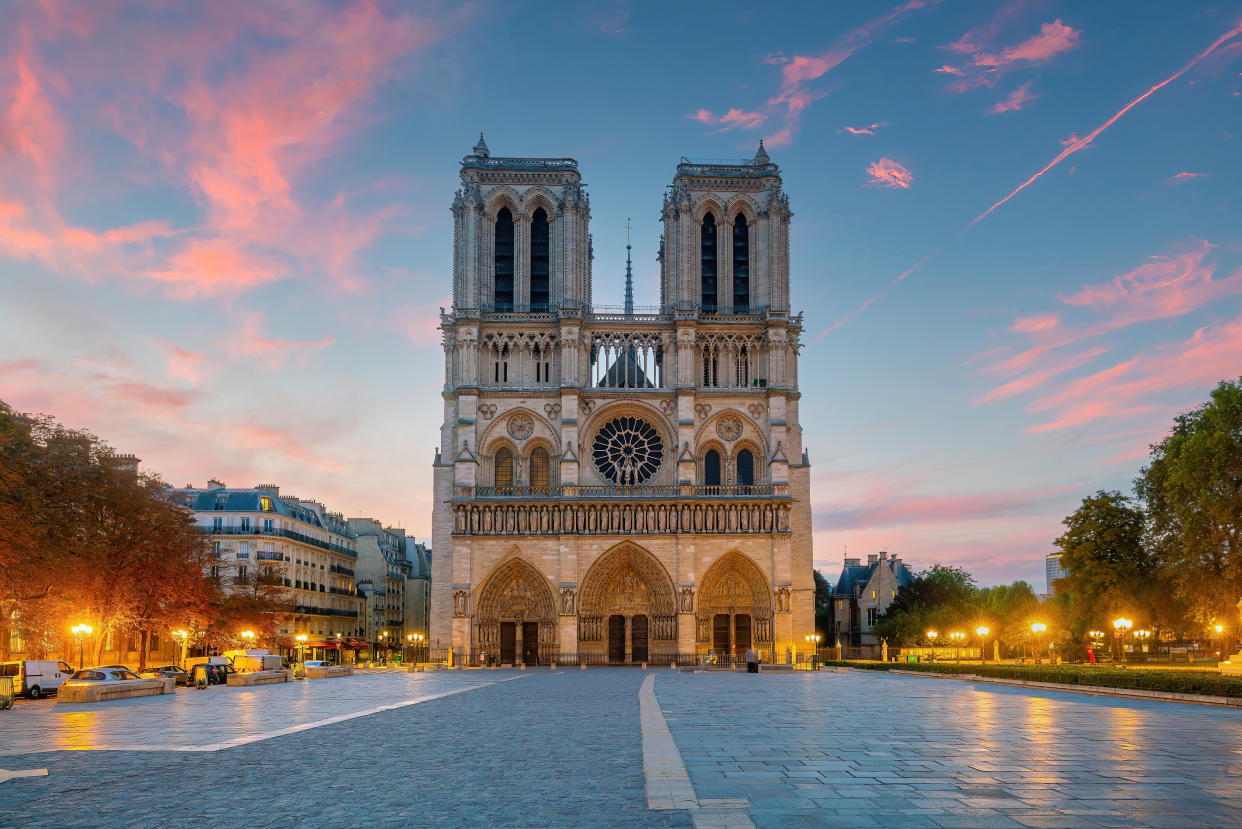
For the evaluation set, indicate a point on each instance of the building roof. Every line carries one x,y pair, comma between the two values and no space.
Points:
856,574
260,500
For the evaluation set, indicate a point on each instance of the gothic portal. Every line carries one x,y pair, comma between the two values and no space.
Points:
618,484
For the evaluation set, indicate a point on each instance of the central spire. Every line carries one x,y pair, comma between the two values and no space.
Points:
629,274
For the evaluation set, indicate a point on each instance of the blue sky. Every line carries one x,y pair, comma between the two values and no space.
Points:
224,231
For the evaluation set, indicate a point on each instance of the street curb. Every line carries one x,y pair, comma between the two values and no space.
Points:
1098,690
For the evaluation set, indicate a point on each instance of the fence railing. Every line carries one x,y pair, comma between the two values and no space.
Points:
629,493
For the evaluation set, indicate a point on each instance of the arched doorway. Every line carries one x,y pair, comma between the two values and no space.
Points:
516,619
734,608
627,612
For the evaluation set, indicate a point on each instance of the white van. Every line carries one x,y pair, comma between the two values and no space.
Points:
36,677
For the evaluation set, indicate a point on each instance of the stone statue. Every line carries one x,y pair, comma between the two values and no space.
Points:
782,600
460,600
567,601
687,600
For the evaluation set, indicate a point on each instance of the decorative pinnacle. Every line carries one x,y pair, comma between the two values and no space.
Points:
629,274
480,149
761,157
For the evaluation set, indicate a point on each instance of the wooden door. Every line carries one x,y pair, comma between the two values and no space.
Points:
720,632
616,638
741,632
638,639
508,642
530,643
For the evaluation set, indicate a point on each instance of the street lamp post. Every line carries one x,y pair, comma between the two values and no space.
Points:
814,640
80,632
301,640
931,640
247,637
1038,628
958,638
1220,643
983,643
1121,626
382,636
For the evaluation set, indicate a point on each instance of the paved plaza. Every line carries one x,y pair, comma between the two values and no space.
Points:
623,747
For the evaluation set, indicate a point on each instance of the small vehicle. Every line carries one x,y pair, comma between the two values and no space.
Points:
111,673
36,677
180,675
318,663
254,659
213,674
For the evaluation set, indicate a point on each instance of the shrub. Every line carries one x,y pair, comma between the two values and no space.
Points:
1145,679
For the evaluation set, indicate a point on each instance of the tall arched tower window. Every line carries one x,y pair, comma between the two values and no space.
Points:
707,260
504,467
504,260
745,468
741,265
711,468
539,267
540,468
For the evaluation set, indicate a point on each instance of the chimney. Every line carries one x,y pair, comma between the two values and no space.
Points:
871,559
128,463
213,484
270,489
883,555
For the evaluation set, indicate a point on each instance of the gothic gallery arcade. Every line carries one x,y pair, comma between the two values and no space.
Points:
619,484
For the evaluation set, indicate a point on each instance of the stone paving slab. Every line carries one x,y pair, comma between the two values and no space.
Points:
543,751
570,748
830,749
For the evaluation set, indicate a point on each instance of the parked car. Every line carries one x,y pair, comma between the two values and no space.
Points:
181,675
110,673
318,663
36,677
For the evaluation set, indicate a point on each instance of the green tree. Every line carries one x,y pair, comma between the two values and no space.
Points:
1109,570
823,608
1193,493
940,598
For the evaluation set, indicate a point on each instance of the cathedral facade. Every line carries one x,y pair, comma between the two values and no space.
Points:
612,485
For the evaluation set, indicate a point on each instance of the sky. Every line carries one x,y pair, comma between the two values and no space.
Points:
225,231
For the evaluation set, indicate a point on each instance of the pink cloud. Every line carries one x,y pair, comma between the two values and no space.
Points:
986,68
250,341
1169,286
1017,100
1035,322
733,119
235,108
893,507
186,365
889,173
1074,143
1184,176
1032,380
794,95
868,130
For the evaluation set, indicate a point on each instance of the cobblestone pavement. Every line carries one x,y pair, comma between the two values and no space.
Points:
566,749
864,750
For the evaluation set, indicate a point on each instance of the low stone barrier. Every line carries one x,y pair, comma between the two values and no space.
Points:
259,678
123,689
330,671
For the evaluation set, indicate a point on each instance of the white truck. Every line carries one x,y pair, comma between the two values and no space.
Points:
255,659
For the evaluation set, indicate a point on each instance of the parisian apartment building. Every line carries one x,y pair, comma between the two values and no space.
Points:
256,531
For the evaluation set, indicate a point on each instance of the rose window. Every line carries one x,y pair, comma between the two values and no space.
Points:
627,451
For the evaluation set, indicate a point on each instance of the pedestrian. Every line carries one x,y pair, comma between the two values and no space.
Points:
752,661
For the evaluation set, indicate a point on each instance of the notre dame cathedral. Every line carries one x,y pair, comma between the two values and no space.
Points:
618,484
